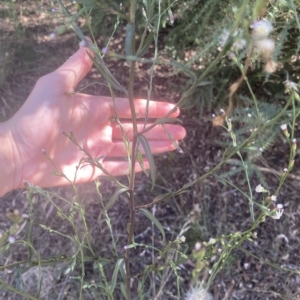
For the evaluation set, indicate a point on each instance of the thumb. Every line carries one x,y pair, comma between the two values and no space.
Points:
75,68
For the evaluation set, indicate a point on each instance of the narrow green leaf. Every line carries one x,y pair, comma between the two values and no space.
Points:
123,290
107,75
149,156
162,197
149,215
204,83
115,274
133,245
259,9
139,157
114,198
146,45
61,29
184,69
171,17
187,185
128,40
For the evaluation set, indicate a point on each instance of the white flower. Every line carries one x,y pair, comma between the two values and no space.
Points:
52,35
260,189
279,212
197,246
182,239
212,241
273,198
265,45
291,86
11,239
197,293
261,29
239,42
223,38
283,127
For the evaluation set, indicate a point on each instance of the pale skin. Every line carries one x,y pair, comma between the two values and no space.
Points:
51,108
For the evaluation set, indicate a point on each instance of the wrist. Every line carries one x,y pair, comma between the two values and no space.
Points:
9,159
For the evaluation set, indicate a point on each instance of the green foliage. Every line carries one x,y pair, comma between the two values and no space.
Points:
251,128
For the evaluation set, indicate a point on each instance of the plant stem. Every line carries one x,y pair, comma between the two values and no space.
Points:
227,156
133,152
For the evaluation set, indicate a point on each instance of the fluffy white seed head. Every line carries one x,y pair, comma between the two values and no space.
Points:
198,293
261,29
265,47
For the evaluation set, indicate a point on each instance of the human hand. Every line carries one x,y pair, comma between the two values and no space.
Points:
52,107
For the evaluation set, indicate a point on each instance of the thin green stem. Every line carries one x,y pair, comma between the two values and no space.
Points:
12,289
133,153
231,153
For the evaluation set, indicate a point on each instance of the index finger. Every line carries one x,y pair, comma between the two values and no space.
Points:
74,69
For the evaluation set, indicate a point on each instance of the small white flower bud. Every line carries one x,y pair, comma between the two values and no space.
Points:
182,239
11,239
260,189
283,127
212,241
197,246
52,35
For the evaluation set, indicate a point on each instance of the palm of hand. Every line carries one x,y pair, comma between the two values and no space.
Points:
52,107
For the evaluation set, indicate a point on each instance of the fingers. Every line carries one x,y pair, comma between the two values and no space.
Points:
86,173
155,109
119,149
118,168
89,173
73,70
176,132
